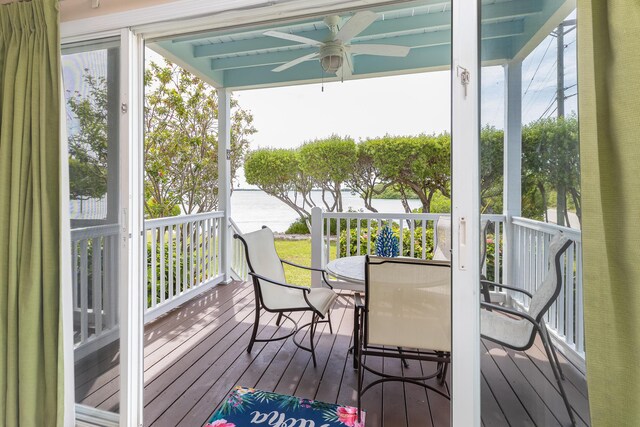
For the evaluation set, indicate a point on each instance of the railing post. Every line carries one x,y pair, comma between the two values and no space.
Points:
317,235
224,179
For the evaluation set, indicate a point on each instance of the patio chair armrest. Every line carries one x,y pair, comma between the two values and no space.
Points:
305,289
357,301
284,261
501,285
304,267
508,310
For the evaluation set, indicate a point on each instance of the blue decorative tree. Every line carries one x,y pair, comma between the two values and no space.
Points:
387,243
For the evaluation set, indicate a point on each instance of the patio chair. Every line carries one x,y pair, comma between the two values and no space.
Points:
442,249
406,315
517,329
274,294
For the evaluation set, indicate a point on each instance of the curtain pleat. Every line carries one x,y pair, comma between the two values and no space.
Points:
29,214
609,102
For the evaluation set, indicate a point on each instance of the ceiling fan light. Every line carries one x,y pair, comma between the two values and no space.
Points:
331,63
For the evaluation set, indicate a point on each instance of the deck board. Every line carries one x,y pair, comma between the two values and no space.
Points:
196,354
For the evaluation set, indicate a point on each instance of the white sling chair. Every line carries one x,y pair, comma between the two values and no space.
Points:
517,329
274,294
407,307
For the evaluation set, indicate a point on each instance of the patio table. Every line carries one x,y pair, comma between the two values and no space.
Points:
349,270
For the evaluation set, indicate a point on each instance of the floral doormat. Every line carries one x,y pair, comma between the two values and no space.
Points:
247,407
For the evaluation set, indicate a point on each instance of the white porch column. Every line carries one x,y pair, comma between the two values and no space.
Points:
224,179
317,252
512,193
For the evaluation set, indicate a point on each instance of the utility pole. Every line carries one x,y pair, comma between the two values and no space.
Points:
561,204
561,207
560,70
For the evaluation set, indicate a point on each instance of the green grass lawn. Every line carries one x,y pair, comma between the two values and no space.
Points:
298,251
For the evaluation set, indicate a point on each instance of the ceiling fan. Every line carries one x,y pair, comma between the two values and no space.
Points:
335,53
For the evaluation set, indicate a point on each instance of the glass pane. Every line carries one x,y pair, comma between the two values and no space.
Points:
530,190
91,86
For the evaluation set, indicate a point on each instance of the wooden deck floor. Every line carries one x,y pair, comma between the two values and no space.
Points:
197,353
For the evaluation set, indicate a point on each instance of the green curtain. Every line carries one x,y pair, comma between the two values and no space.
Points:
30,357
609,82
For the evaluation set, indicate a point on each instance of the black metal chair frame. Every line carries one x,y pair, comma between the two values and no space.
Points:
539,325
315,318
363,349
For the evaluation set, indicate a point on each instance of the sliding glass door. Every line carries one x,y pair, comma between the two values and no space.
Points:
101,144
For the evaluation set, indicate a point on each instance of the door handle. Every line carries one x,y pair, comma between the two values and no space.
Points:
462,243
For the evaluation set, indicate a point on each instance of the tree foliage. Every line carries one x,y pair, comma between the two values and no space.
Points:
277,172
88,145
181,141
329,163
419,163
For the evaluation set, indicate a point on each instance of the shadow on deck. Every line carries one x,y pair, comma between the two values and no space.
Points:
196,354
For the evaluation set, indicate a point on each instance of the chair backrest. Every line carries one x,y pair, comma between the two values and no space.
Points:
408,303
263,259
442,250
484,226
551,286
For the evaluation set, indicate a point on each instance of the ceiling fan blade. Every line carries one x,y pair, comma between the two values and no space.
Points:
356,25
295,62
293,38
379,49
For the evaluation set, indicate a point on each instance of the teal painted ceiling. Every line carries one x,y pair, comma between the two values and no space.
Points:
244,58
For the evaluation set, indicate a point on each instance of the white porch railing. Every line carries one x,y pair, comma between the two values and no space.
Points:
186,263
350,233
182,260
565,318
94,267
239,267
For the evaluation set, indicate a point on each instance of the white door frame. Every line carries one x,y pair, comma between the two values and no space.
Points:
465,213
465,408
132,220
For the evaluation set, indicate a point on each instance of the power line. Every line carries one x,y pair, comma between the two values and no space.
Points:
539,64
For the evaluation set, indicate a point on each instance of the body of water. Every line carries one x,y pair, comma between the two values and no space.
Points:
253,209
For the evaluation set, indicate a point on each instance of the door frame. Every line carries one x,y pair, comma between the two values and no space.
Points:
465,214
465,408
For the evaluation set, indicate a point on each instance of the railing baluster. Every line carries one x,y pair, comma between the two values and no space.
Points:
107,265
170,256
178,258
84,291
425,224
96,279
369,236
154,257
348,247
579,302
412,231
338,238
358,244
185,257
74,274
401,238
567,290
162,265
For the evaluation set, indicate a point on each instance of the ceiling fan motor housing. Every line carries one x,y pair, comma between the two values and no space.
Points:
331,56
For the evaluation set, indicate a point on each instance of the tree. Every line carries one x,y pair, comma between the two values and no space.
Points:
491,169
88,146
181,144
366,178
551,162
329,163
277,172
419,163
